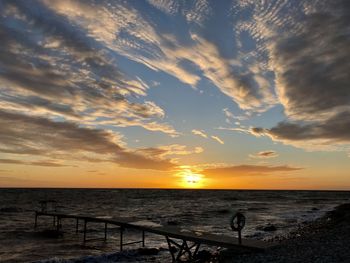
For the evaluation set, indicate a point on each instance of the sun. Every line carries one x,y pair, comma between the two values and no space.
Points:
190,179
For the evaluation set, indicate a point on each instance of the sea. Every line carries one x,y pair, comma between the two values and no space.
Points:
195,210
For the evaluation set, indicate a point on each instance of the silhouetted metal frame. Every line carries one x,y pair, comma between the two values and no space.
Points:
184,249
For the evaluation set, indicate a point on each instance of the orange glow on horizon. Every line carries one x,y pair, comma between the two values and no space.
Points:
187,177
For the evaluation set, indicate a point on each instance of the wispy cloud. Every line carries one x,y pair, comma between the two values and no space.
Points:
169,150
45,163
216,138
240,129
264,154
229,115
246,170
200,133
125,29
54,68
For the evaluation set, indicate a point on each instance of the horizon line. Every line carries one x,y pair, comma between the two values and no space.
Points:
196,189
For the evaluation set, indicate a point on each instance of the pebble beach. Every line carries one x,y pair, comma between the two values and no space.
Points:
325,240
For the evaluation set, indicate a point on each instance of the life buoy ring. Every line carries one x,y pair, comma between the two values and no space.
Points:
237,221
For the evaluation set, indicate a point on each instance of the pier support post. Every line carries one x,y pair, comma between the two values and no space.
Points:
170,249
105,232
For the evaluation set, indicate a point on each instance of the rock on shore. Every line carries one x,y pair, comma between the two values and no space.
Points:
324,240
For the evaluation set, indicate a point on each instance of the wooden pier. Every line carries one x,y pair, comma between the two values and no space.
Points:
186,242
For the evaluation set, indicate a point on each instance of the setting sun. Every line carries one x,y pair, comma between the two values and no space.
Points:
190,179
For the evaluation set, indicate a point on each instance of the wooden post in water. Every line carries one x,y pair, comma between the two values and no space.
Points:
105,231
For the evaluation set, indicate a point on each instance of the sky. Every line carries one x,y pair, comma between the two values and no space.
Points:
239,94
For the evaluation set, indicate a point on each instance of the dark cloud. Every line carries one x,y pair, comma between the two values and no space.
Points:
244,170
256,131
313,64
22,134
36,103
335,129
264,154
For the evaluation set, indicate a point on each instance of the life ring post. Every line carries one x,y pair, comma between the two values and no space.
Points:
240,237
237,223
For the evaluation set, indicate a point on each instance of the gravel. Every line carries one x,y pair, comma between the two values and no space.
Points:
324,240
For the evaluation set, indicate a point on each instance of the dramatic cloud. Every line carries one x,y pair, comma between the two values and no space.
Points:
245,170
264,154
307,46
73,73
52,67
125,28
312,64
334,131
28,135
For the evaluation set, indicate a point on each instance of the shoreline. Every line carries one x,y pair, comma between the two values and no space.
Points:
325,239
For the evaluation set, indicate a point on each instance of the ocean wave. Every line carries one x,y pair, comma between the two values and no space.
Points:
11,209
139,255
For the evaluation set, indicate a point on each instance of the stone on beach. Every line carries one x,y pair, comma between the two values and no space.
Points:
325,240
